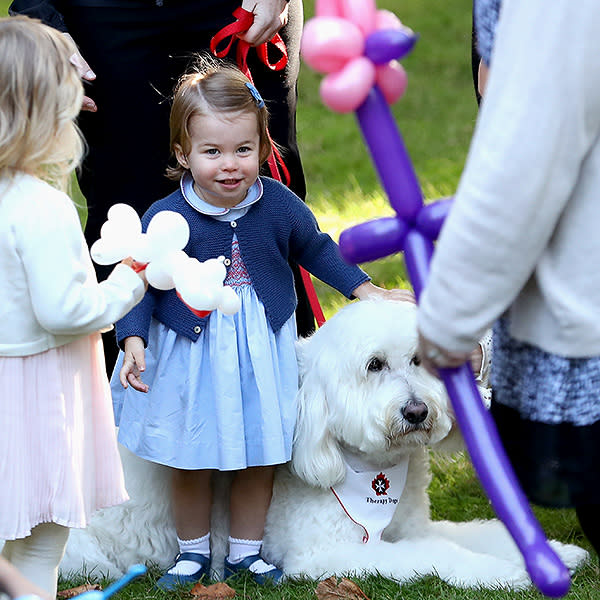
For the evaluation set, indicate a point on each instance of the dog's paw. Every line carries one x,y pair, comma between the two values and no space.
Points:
486,572
573,556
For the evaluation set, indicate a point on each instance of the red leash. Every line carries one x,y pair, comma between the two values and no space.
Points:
244,20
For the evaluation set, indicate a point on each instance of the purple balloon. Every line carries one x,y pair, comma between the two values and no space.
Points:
387,150
384,45
481,437
499,481
373,240
431,217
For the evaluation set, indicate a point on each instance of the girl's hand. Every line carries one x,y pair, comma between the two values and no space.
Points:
134,363
141,273
369,291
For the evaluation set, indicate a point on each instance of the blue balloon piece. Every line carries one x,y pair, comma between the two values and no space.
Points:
132,573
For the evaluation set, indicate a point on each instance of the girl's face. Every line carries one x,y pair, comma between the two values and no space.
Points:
224,156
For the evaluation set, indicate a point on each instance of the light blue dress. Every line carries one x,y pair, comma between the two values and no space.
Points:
226,401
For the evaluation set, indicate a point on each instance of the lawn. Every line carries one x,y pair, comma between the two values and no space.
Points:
436,118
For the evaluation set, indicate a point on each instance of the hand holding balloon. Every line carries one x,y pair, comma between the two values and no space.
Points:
351,41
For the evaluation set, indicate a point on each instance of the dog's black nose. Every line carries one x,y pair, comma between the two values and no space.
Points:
415,411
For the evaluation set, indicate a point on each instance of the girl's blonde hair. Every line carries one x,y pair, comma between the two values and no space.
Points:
40,97
213,87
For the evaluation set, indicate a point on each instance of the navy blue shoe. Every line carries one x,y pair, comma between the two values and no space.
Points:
272,575
170,581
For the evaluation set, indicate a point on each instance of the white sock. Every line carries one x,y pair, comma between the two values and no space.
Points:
199,545
240,549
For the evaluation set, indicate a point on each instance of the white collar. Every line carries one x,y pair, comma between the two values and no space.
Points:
186,185
369,496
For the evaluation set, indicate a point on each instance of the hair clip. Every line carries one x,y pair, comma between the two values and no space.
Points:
257,97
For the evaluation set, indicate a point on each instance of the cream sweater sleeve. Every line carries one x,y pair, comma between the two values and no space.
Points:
531,136
64,292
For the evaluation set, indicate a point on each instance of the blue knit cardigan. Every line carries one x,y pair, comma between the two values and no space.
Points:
276,228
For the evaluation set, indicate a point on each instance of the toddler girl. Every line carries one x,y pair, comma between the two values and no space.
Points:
221,389
59,459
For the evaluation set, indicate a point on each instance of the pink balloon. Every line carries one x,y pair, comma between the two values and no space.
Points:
386,19
328,43
363,13
347,89
328,8
392,80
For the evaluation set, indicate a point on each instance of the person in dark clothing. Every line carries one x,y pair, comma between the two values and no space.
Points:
131,54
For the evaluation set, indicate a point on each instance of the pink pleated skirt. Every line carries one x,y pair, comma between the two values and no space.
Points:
59,460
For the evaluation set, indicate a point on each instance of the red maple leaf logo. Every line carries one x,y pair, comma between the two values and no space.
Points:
380,485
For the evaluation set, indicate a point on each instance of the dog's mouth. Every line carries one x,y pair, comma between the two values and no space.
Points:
412,425
409,434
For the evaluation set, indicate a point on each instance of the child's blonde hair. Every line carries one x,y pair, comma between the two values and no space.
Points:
213,87
40,97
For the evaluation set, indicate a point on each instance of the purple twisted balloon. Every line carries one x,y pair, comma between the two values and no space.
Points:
412,231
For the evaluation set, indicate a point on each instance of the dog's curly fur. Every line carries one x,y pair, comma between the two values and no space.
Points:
361,384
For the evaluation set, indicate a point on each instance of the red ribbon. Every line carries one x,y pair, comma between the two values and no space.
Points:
243,22
198,313
138,267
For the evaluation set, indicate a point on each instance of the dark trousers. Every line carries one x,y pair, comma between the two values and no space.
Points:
589,520
138,53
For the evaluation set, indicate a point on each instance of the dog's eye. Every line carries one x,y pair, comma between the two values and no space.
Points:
415,360
376,364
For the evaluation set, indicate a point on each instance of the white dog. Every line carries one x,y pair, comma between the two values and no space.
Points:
354,499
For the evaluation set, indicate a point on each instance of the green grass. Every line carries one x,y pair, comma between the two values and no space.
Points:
436,118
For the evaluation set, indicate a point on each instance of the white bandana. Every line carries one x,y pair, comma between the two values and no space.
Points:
369,497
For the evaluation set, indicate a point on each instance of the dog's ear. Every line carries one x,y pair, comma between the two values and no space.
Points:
316,457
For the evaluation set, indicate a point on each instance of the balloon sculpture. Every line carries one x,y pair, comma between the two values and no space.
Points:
160,251
357,47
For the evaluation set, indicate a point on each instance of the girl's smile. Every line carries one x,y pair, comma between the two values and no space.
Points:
223,157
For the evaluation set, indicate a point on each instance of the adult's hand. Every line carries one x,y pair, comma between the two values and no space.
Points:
269,17
434,357
86,73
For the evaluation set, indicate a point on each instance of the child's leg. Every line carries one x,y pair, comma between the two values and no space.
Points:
37,556
191,498
251,493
